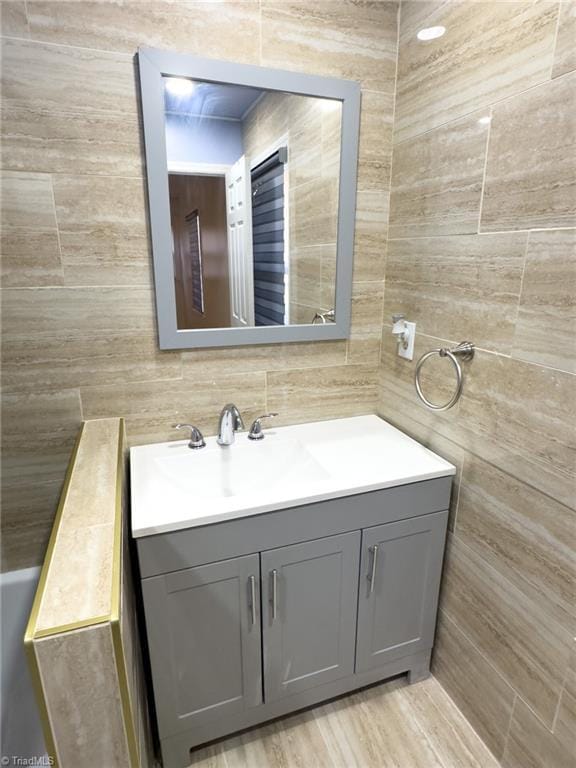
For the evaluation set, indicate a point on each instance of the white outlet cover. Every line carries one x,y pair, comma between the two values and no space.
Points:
408,352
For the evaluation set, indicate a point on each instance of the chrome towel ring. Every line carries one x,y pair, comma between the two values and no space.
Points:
464,350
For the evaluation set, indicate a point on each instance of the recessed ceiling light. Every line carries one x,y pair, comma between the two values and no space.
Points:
179,86
485,120
431,33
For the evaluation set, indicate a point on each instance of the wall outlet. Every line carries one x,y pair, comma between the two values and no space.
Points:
409,334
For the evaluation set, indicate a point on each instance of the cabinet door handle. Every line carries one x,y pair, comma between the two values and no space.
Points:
274,600
372,574
252,581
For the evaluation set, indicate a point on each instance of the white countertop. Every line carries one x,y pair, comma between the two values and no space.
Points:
174,487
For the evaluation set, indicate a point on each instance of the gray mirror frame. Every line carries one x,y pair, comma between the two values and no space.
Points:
153,65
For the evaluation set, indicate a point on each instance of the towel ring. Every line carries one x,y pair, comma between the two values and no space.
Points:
465,350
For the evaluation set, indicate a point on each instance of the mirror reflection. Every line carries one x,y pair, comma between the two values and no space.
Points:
254,183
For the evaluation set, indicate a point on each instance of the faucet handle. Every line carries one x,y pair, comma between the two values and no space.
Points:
196,437
256,428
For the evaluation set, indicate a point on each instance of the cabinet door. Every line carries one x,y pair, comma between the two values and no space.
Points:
399,583
203,627
309,598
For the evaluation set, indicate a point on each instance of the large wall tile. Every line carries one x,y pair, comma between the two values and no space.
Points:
152,408
83,80
200,363
523,644
437,181
375,151
322,393
38,432
315,213
490,50
565,53
30,250
92,142
519,417
43,313
526,535
348,39
366,332
27,201
531,745
531,164
103,230
458,287
228,31
546,325
481,694
13,21
27,516
63,360
370,236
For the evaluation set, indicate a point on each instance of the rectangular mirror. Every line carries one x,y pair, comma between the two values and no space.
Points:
252,186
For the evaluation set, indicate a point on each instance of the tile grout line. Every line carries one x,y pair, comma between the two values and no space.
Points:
488,352
559,704
509,729
486,234
521,290
555,42
483,187
390,184
457,502
53,196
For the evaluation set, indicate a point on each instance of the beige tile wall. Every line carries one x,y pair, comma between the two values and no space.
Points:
79,336
483,246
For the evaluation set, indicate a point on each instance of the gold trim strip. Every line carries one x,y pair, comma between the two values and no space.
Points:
125,694
31,626
63,628
117,555
34,670
116,607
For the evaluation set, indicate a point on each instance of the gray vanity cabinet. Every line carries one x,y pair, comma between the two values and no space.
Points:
400,577
203,627
252,618
309,596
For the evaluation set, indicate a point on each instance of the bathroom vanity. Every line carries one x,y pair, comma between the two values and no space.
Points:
280,573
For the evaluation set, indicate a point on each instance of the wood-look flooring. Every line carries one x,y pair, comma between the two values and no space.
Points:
392,725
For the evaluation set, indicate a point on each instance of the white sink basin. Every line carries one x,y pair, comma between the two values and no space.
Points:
174,487
247,467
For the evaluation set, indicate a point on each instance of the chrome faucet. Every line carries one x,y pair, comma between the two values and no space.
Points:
230,422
